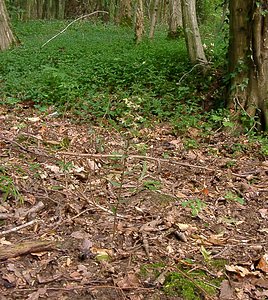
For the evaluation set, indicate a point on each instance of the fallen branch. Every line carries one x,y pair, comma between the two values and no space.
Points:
14,229
36,208
99,206
20,147
12,251
81,17
142,157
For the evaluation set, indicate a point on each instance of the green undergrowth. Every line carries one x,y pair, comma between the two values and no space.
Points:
8,189
96,71
184,282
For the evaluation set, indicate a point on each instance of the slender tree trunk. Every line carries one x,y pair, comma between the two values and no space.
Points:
192,36
139,22
7,39
248,59
163,11
125,13
154,19
175,18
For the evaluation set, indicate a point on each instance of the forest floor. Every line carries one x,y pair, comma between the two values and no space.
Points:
88,212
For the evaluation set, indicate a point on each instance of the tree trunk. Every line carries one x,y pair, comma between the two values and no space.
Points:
154,18
192,36
125,13
139,22
248,59
175,18
7,39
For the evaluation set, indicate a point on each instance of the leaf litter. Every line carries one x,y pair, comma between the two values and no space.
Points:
85,208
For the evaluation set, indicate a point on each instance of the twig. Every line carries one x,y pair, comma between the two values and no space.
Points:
22,147
119,194
81,17
134,157
85,286
194,283
99,206
187,73
15,143
36,208
14,229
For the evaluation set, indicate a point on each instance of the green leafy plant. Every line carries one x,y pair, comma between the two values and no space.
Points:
124,84
205,253
65,166
196,206
152,185
233,197
8,188
190,144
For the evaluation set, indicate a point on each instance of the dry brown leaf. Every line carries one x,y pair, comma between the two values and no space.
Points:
227,291
240,270
264,213
180,195
263,264
130,280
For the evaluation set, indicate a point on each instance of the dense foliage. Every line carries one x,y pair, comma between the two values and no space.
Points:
97,71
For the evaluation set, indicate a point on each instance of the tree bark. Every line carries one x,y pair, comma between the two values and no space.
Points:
7,39
191,31
153,20
139,22
125,13
248,59
175,18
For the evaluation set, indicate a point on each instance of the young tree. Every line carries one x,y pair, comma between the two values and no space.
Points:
192,36
248,58
7,39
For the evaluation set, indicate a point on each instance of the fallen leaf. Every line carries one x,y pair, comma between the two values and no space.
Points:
130,280
53,168
34,119
102,254
226,292
183,227
264,213
217,239
3,209
40,293
263,264
240,270
262,294
180,195
3,241
79,235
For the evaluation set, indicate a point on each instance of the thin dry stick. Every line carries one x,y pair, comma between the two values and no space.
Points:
135,157
124,157
81,17
194,283
18,228
99,206
12,142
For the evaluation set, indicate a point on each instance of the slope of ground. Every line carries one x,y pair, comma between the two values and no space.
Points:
92,213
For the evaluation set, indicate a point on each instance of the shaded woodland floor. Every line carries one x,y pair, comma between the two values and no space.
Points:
109,215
